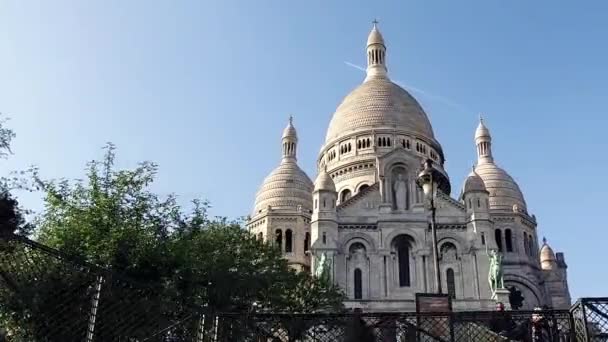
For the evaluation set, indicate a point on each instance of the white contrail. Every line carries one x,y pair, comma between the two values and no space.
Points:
422,92
355,66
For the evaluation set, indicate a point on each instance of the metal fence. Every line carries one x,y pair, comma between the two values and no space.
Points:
590,317
397,327
48,296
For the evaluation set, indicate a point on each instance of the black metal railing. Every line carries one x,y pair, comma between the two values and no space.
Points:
546,326
49,296
590,319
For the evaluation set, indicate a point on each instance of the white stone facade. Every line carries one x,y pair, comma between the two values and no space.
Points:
366,212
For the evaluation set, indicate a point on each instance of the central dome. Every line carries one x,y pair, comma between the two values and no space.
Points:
379,103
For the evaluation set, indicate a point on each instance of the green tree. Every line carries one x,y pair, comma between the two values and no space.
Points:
176,262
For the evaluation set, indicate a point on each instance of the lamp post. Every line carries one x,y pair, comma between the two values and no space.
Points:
429,179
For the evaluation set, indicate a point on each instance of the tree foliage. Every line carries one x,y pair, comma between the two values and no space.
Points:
112,219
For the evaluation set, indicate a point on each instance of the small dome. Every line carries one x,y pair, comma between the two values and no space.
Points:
548,261
482,131
504,191
473,183
287,187
379,103
290,130
324,182
375,37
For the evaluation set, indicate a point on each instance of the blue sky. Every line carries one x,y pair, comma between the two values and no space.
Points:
204,88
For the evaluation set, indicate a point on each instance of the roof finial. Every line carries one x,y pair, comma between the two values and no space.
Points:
544,240
375,22
291,119
481,117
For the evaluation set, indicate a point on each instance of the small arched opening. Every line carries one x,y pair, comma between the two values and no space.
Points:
498,238
508,240
288,241
345,195
451,282
306,242
279,239
358,284
402,248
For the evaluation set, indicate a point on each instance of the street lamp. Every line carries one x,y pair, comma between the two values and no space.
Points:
430,179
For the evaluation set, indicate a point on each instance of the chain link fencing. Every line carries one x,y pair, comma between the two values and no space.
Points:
48,296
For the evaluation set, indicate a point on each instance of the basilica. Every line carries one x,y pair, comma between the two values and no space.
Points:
367,214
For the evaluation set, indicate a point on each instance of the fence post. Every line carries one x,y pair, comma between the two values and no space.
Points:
201,329
452,315
94,306
583,305
215,328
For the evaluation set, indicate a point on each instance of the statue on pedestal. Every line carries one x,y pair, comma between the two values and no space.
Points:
495,274
322,267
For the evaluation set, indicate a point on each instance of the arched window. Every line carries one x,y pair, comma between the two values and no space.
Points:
324,238
288,241
508,240
316,203
478,203
526,244
449,276
358,284
363,187
402,247
483,238
388,142
345,195
532,248
279,239
306,242
379,141
448,252
261,236
498,237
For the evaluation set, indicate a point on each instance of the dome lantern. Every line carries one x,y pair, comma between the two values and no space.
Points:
290,142
483,140
376,54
